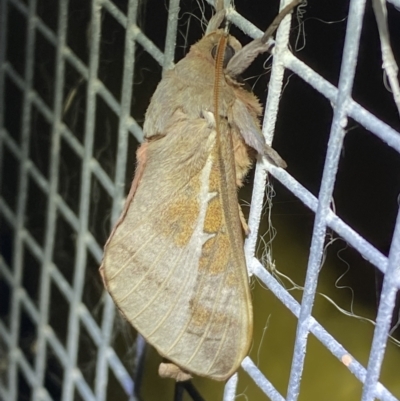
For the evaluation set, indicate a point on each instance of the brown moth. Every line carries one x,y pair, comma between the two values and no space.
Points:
174,263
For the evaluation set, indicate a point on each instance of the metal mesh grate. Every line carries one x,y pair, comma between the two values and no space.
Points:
41,184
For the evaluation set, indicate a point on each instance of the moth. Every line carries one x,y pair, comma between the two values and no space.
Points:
174,262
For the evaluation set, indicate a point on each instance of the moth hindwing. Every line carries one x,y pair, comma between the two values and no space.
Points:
174,263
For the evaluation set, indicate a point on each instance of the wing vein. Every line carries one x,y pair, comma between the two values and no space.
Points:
204,336
124,266
220,344
182,332
161,288
172,307
151,268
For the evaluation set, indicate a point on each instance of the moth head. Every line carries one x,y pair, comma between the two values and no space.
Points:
229,53
208,46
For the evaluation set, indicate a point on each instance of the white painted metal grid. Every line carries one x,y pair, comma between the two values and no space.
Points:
79,314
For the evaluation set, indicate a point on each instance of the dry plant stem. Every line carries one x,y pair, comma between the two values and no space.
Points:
389,62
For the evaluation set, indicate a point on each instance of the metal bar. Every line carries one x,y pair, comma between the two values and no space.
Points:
121,373
316,329
79,313
3,52
170,37
69,137
396,3
271,112
22,202
148,45
354,110
368,251
385,312
339,123
261,381
50,233
115,12
84,205
121,160
230,388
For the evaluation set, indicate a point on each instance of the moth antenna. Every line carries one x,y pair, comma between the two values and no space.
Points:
219,74
219,66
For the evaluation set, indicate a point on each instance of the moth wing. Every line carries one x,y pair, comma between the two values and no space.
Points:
174,264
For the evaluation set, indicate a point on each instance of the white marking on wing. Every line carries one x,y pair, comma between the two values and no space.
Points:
206,237
199,236
211,195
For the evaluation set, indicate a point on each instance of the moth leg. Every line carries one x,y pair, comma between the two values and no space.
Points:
171,371
273,157
245,56
245,226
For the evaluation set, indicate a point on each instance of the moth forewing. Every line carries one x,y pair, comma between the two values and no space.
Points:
171,266
174,263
